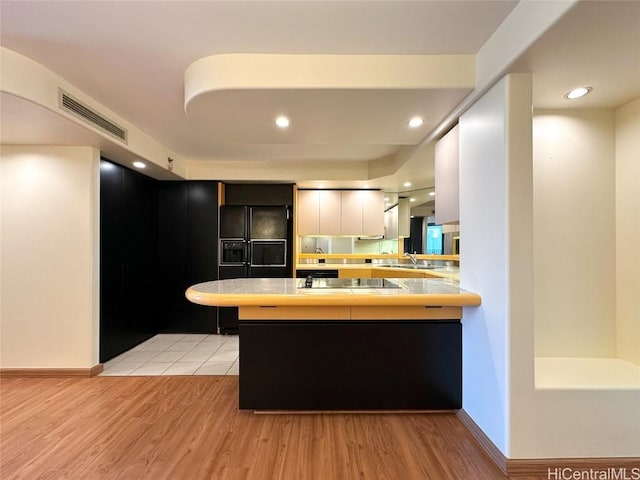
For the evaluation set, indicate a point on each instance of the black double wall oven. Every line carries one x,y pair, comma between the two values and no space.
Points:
253,244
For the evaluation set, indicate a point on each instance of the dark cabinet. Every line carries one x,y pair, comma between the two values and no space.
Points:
317,273
128,245
187,252
233,222
337,365
264,194
156,239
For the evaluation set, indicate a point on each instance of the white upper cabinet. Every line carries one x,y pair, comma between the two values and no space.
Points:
308,212
340,212
372,212
351,211
447,185
330,202
391,223
404,217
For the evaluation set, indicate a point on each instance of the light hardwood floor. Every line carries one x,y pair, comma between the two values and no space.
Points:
190,428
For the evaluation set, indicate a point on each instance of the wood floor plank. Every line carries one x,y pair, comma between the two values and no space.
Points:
176,428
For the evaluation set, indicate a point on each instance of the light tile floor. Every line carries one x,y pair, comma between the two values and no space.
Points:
178,354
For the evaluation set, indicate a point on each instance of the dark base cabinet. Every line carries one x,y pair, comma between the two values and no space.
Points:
228,320
317,273
368,365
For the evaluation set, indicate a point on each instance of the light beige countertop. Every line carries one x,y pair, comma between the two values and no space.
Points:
451,272
286,292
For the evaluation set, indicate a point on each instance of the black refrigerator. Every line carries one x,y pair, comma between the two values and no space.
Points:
253,244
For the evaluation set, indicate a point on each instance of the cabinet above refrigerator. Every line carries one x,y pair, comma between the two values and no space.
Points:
254,223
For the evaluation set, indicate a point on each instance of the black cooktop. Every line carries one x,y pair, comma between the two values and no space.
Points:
311,282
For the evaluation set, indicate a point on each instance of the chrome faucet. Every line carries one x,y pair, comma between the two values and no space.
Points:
319,250
412,256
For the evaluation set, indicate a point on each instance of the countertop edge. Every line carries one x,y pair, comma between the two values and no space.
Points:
334,299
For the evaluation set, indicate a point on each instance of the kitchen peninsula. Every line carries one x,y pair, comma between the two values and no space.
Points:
346,344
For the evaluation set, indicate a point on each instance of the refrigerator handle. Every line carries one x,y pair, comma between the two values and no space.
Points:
287,210
247,253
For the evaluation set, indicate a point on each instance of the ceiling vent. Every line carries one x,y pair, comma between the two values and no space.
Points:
78,109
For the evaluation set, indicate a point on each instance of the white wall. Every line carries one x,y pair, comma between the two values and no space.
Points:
50,257
627,122
574,233
572,422
484,225
496,222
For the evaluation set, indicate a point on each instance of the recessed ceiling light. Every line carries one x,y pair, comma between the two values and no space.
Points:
578,92
282,121
406,184
412,199
415,122
386,199
412,216
432,194
139,165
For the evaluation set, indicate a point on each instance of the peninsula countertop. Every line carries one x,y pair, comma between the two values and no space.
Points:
287,292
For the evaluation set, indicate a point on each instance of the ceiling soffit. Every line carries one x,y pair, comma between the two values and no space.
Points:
330,99
245,71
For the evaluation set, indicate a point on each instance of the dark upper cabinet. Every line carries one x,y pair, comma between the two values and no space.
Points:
264,194
233,221
187,252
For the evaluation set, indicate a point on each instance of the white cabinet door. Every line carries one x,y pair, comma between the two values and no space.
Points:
340,212
308,212
404,217
447,178
372,212
391,223
330,202
351,210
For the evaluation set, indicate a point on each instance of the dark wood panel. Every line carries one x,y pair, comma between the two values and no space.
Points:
228,320
187,252
128,251
172,253
328,365
233,221
202,232
190,428
258,194
111,260
139,217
